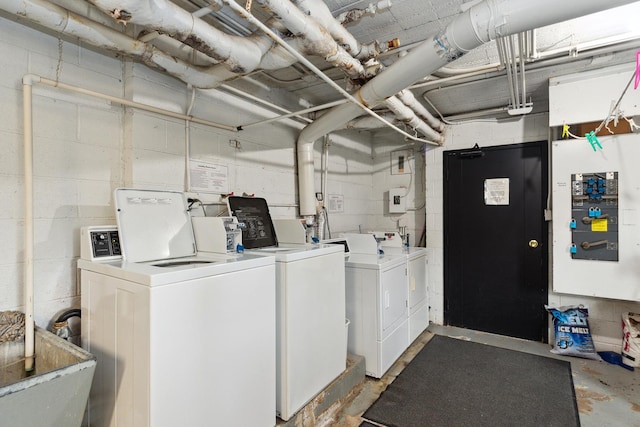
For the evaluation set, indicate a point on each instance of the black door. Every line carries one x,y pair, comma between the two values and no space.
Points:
495,239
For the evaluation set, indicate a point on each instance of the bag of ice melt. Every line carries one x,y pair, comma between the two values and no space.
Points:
631,339
572,333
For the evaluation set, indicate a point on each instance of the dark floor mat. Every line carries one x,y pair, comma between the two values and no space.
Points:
453,382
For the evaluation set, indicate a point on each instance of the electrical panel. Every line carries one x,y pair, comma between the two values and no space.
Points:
397,202
594,211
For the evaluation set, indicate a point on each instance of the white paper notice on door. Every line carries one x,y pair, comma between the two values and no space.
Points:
496,191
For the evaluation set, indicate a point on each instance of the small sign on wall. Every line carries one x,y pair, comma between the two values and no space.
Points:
496,191
335,203
208,177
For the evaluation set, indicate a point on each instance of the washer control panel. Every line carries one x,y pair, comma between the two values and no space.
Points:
100,243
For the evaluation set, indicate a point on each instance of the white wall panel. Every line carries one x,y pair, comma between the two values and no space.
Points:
588,97
609,279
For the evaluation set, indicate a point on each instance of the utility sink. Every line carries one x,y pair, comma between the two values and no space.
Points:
53,394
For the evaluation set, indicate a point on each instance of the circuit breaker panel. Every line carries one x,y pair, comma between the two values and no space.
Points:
594,223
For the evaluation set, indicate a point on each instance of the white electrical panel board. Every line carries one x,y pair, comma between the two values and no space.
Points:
596,221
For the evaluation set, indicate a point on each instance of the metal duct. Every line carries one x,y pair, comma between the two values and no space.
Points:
480,24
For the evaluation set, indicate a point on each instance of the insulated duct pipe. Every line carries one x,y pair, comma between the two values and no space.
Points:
409,117
239,54
317,40
62,21
318,10
407,97
479,24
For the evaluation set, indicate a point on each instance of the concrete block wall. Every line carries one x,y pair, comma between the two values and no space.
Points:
76,163
413,182
604,314
84,148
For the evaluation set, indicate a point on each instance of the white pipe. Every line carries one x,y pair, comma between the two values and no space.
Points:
133,104
319,11
239,54
295,113
65,22
368,122
325,168
407,97
448,71
521,44
29,331
514,67
249,17
317,40
409,117
479,24
355,14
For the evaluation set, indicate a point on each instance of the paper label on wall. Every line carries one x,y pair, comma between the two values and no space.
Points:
336,203
496,191
599,224
208,177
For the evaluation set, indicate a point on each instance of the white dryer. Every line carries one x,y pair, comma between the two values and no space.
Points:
376,303
175,333
416,259
310,307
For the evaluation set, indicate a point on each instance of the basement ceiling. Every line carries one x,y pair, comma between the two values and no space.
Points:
595,41
476,85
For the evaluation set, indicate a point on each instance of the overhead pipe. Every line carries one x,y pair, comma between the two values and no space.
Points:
368,122
62,21
354,15
317,40
407,97
239,54
65,22
252,19
319,11
406,115
480,24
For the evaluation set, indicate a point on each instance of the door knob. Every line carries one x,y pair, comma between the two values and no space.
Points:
533,243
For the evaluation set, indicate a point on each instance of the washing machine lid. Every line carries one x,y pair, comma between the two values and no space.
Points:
254,220
153,225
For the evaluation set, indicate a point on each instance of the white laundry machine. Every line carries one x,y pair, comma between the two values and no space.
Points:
176,333
418,305
376,303
310,307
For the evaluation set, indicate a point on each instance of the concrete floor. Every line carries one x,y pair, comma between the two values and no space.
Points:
607,395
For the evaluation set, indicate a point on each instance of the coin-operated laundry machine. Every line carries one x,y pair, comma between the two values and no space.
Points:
310,306
376,302
176,332
417,292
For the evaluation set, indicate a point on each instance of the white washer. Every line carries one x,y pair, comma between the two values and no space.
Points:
310,289
175,336
376,304
417,292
